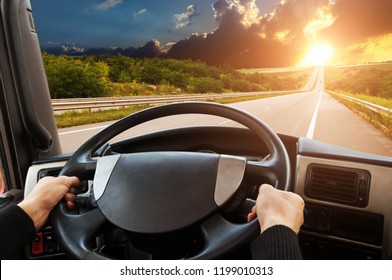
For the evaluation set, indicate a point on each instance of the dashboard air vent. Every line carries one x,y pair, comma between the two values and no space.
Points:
338,184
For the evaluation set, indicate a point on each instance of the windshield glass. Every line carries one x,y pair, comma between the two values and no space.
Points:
320,69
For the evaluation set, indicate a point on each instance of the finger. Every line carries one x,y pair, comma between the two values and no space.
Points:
70,205
265,187
69,181
74,190
251,217
253,210
69,197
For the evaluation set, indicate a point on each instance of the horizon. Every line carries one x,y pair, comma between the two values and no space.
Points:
242,33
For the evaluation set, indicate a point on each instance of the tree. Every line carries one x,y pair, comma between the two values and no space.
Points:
121,69
205,85
69,77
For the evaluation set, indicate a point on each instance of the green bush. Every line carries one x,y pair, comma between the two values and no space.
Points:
69,78
206,85
100,75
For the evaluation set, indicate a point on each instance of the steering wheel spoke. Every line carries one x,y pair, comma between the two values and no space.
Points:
84,228
222,236
82,167
270,171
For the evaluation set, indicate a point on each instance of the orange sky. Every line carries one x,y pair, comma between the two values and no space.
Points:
361,31
243,33
352,31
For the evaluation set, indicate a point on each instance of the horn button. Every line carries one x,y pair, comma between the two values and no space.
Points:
164,191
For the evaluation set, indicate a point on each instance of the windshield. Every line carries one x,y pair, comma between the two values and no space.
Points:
318,69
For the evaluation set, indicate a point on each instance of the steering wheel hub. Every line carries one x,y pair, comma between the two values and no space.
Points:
133,190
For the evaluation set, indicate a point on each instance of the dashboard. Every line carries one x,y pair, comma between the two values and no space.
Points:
347,195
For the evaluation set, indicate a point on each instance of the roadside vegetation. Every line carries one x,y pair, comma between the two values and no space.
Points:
120,76
362,81
104,75
371,83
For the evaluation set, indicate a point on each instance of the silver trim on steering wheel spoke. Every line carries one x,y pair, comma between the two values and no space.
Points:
105,166
230,173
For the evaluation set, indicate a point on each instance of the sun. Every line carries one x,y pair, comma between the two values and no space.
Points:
318,55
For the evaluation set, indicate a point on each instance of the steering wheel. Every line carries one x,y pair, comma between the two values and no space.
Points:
161,192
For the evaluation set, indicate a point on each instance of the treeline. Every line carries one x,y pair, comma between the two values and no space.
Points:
105,75
369,80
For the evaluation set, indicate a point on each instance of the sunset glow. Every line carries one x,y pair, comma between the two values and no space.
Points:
319,54
241,33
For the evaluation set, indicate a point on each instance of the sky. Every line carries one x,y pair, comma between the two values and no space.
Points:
243,33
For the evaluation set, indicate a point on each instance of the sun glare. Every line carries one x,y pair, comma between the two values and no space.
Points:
318,55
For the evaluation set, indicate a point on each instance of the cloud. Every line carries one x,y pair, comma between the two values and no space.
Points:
244,38
107,4
356,21
140,13
373,49
356,30
246,8
184,19
322,20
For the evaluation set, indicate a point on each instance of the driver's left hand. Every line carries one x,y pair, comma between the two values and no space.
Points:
46,194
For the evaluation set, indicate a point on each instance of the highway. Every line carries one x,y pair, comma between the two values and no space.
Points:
313,114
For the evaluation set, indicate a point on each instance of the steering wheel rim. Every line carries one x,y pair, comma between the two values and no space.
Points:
82,164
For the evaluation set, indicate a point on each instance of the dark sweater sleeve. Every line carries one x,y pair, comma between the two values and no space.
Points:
17,229
276,243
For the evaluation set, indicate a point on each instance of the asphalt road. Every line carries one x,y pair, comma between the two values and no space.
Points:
313,114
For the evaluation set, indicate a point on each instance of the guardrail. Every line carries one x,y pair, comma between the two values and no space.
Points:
371,106
379,116
101,103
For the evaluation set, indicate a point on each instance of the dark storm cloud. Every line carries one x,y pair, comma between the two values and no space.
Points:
294,16
356,21
218,47
220,8
245,39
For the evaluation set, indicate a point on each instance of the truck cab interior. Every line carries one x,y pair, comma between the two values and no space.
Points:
128,207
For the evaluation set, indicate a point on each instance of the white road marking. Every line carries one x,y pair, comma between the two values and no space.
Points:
225,122
312,126
82,130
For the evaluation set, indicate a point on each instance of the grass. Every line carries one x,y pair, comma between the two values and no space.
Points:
361,80
372,99
368,82
380,121
74,118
